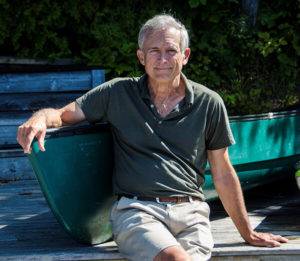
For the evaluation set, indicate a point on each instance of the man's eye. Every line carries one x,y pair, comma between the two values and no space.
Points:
172,52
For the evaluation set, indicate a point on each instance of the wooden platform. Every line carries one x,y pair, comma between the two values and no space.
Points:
29,231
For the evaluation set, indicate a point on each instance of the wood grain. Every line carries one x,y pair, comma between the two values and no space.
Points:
29,231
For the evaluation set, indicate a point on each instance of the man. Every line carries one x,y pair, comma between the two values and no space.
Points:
165,127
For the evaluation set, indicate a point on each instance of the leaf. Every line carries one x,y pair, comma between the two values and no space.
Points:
282,41
285,59
264,35
194,3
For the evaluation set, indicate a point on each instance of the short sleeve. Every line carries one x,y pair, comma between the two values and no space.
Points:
218,131
94,103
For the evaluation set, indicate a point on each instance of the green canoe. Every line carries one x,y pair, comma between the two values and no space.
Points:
75,171
267,149
74,174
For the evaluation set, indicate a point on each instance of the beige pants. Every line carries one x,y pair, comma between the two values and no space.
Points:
142,228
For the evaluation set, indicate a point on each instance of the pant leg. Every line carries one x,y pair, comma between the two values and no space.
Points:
191,227
138,230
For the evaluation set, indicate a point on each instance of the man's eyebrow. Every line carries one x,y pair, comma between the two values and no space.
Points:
168,47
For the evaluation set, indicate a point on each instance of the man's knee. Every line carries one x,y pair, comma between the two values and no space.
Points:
173,253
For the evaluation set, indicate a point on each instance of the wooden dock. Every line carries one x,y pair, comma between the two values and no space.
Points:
29,231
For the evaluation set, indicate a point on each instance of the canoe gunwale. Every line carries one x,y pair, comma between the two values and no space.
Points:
88,128
265,116
83,128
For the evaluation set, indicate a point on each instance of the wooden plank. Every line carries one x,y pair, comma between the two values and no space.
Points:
29,231
50,82
273,208
9,123
8,136
13,118
14,165
98,77
270,257
15,102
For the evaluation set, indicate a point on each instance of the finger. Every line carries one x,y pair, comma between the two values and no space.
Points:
28,140
273,243
19,135
266,239
279,238
41,140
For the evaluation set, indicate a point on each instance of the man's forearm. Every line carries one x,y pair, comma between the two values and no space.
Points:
231,195
52,117
38,123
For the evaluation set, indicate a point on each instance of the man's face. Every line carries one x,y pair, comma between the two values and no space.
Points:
162,55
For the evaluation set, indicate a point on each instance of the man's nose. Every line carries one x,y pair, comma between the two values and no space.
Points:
163,56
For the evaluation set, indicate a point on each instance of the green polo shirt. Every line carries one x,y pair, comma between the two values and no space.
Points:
156,156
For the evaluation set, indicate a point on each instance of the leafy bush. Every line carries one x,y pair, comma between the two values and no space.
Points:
254,67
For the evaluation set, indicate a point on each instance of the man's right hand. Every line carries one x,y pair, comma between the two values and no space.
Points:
35,127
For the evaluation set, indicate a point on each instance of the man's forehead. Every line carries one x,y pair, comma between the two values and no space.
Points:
167,37
164,31
166,45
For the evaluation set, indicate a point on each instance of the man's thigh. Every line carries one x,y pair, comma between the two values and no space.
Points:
192,229
138,234
143,229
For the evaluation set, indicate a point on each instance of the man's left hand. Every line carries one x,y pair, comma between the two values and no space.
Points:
266,239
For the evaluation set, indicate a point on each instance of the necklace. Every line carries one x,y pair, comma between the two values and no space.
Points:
162,108
166,104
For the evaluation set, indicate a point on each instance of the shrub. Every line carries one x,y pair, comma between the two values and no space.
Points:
254,67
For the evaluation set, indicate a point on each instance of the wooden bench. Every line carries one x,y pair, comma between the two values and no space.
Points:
23,93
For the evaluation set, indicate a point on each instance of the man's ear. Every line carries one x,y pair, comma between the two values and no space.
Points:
140,55
187,53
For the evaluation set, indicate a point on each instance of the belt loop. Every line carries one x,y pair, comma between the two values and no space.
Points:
190,199
157,199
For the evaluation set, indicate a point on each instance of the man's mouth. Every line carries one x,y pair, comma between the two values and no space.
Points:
163,68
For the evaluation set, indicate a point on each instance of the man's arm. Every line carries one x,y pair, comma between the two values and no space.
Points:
229,190
38,123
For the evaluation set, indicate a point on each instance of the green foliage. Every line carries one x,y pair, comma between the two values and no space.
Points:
254,68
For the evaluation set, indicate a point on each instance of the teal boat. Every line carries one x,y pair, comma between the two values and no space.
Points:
74,174
267,149
75,171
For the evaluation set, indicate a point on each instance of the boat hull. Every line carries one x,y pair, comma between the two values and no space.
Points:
267,149
75,177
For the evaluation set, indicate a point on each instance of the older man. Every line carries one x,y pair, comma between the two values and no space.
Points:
165,127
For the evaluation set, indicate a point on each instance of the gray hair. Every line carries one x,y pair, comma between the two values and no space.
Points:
163,22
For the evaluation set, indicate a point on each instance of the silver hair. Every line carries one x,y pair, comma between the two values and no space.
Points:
163,22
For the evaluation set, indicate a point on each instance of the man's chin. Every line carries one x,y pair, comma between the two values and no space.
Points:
163,77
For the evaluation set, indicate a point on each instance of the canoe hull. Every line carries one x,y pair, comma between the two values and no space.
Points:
75,177
256,174
267,149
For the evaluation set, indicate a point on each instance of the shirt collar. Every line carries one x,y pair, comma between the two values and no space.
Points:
144,91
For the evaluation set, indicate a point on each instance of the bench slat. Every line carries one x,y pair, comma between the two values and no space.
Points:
51,81
35,101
